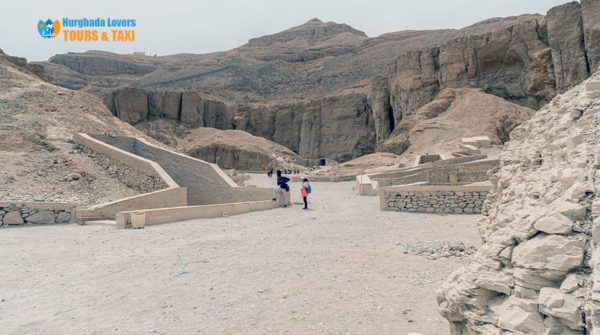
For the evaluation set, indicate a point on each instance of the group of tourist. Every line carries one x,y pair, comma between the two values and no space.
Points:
285,171
284,188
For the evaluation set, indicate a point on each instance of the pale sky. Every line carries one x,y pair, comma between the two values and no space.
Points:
201,26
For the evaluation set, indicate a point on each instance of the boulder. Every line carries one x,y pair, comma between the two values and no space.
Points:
519,315
571,283
552,252
495,282
555,327
13,218
63,217
560,305
41,217
555,223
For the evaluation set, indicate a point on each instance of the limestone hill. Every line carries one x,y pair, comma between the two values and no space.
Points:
37,121
455,113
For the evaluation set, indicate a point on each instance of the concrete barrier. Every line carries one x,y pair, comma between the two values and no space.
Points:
189,180
206,183
170,197
136,162
175,214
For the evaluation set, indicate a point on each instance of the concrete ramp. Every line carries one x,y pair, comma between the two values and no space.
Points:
206,183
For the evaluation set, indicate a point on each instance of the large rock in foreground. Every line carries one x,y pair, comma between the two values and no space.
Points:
537,271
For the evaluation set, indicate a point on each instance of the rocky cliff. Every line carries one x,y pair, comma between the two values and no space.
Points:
537,270
455,113
525,60
339,125
325,89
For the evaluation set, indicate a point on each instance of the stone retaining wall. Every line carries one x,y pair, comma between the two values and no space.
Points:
23,213
129,176
434,199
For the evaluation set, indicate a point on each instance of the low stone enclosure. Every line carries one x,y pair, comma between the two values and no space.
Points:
174,187
440,186
434,199
453,171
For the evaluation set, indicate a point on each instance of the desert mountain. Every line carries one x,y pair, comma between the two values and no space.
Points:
325,89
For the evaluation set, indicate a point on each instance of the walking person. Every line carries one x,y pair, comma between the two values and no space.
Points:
282,187
305,191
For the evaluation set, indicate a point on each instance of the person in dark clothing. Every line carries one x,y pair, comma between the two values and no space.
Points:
282,187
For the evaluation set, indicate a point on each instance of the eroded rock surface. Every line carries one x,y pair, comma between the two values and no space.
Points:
537,270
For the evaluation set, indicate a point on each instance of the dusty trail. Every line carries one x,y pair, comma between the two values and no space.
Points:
338,268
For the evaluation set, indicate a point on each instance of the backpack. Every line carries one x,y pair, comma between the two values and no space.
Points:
308,190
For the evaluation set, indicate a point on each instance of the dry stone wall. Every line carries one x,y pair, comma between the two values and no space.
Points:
129,176
431,199
538,270
21,213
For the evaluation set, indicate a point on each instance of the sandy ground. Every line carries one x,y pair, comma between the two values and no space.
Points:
335,269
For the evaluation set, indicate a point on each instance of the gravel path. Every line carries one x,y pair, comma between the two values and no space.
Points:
339,268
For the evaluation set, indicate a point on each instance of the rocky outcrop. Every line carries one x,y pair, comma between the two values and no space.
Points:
565,36
101,63
135,105
313,29
339,126
525,60
23,65
512,61
454,113
383,113
537,270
